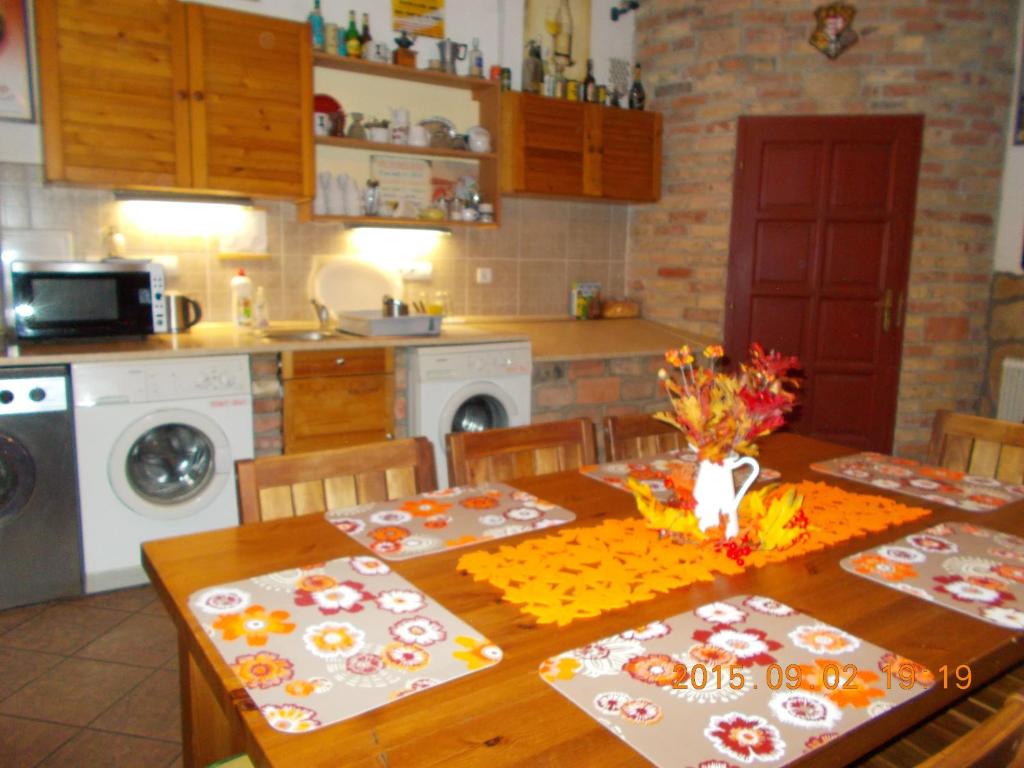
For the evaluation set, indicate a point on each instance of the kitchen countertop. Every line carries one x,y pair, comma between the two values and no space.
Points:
552,339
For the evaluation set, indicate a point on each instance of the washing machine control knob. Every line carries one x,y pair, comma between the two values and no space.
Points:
37,394
6,396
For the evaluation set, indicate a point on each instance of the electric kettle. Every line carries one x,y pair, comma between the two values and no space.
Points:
182,312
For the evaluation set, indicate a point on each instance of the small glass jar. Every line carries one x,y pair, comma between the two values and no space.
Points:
371,198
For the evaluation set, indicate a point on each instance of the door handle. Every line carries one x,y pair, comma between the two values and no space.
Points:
339,361
887,311
198,95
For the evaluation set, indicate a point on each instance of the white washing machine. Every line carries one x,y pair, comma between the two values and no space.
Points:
468,388
157,443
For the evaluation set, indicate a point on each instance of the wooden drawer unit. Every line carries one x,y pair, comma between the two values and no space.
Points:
336,398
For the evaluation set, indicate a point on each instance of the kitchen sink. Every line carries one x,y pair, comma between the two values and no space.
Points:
297,335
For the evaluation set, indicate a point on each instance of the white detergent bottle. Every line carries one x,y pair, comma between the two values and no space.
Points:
241,299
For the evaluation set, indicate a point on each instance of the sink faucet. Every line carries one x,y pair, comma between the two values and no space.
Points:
323,314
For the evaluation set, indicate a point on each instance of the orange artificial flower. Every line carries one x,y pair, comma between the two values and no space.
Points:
254,624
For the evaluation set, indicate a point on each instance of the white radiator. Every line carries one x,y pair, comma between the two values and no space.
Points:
1011,390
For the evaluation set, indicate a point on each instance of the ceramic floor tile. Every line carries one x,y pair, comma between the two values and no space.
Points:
171,663
15,616
18,667
74,692
134,599
177,762
24,743
62,628
111,750
143,639
151,709
156,608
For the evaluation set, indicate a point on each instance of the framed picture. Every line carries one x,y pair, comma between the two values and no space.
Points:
15,72
562,28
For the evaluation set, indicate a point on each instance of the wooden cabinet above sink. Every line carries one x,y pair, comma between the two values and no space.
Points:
561,148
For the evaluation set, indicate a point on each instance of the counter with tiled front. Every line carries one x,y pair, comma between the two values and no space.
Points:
593,368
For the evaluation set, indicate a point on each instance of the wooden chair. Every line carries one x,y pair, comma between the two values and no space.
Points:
978,446
504,454
633,437
275,487
984,729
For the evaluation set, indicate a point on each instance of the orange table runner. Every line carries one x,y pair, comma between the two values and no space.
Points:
583,572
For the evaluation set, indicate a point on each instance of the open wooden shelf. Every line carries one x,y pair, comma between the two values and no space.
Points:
388,221
411,74
403,149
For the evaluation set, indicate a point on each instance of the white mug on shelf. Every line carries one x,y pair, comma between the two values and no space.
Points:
419,136
378,134
479,139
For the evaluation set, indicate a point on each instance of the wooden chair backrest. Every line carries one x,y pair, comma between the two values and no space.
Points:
274,487
633,437
504,454
999,740
978,446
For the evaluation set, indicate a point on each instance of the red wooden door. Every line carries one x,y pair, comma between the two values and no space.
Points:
822,220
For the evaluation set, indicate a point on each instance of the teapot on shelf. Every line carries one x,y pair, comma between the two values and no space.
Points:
451,52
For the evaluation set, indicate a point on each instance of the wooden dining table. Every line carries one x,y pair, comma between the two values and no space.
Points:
507,715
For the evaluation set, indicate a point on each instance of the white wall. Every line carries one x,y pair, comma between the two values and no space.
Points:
498,24
1010,230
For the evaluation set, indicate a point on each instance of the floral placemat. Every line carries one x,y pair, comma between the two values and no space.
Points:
582,572
739,681
325,642
447,519
936,484
965,567
653,471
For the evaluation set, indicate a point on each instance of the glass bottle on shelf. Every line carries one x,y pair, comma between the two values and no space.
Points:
637,95
316,27
589,84
476,59
371,198
352,45
365,38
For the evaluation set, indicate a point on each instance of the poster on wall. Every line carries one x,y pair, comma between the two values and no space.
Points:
15,77
404,184
419,17
562,27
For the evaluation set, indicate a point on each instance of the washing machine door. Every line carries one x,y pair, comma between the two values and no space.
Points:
170,464
477,407
17,478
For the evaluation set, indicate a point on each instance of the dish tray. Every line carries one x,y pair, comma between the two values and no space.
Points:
371,323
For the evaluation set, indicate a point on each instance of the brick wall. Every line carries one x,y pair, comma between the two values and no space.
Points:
706,63
266,404
1006,333
597,388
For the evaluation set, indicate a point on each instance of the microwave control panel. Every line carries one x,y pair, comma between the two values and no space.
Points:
157,287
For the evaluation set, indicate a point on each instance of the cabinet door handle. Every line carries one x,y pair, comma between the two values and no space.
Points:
389,436
339,361
198,95
183,94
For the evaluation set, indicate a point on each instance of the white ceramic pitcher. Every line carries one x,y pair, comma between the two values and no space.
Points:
716,494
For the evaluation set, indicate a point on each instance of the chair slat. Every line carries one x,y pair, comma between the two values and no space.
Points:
1011,465
549,460
371,486
340,492
276,503
957,454
637,436
400,482
984,458
308,498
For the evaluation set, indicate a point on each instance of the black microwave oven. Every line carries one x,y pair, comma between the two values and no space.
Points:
83,299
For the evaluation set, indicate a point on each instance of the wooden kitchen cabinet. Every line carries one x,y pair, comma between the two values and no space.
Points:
157,93
564,148
336,398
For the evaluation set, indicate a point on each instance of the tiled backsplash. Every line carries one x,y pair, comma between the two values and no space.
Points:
541,247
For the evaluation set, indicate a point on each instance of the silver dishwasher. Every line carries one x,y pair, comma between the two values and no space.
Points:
40,531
